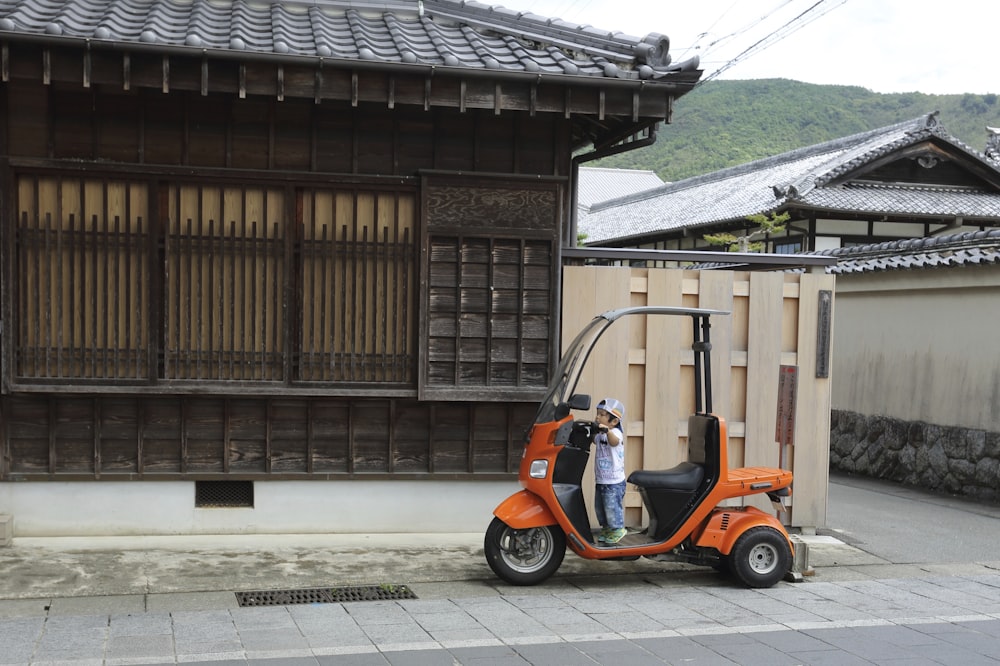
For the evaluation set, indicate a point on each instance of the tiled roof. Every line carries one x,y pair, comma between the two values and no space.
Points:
597,184
803,177
442,33
964,249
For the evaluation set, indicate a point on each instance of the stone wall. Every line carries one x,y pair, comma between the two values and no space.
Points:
949,459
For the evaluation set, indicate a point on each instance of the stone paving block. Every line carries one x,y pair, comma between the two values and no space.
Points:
141,625
131,603
627,621
377,613
201,617
190,601
387,634
273,639
224,646
284,661
682,650
24,607
551,654
478,634
365,659
146,647
264,617
420,658
445,621
499,655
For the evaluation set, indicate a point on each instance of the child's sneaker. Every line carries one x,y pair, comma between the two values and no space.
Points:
614,536
603,536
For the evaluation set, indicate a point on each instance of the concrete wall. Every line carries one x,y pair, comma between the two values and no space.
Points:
280,507
920,345
916,390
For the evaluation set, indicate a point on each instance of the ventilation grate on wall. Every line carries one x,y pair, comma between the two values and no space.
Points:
326,595
230,494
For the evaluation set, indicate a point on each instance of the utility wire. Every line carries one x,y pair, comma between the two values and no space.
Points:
774,37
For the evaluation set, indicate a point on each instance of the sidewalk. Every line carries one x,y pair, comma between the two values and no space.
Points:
118,602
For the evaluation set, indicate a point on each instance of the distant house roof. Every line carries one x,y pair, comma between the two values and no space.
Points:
965,249
819,177
439,33
597,184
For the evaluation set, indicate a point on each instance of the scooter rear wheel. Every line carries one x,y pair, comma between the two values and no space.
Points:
760,557
524,557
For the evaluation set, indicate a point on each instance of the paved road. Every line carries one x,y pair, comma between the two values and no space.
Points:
881,598
904,525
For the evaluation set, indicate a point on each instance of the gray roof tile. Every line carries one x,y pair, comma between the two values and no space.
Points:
963,249
451,33
803,176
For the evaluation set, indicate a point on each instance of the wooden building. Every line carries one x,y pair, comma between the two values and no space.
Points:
288,241
912,179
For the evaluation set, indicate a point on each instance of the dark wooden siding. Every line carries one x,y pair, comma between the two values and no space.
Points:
266,255
172,437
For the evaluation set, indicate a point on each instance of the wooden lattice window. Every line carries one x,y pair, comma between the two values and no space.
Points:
82,276
224,283
358,286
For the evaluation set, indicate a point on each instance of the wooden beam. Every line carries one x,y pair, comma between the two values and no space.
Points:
354,88
318,85
497,99
461,97
569,102
126,71
635,106
166,74
281,83
243,81
46,67
4,63
392,92
533,100
602,98
204,77
427,93
86,68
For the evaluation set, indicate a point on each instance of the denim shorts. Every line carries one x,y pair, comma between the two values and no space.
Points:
608,500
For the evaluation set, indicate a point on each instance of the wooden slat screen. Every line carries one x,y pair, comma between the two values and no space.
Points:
141,282
82,264
488,312
358,285
491,260
225,271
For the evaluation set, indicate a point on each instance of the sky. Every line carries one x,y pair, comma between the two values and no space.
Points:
887,46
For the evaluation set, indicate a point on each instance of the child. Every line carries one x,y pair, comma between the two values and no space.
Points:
609,470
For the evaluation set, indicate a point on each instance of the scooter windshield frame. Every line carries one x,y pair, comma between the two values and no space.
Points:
570,367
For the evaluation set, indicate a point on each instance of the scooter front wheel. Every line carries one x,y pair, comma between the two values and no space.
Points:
524,557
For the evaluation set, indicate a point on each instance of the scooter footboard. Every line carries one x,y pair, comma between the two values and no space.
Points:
725,525
524,509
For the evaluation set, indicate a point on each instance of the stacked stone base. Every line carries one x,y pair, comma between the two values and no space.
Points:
945,459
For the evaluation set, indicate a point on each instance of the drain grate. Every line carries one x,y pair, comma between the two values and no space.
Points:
324,595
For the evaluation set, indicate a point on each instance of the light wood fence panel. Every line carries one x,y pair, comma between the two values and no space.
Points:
649,366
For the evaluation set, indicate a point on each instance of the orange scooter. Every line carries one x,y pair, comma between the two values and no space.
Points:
526,541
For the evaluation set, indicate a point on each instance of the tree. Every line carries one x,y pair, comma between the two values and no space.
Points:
766,225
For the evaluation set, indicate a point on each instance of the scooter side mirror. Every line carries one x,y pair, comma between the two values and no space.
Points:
579,401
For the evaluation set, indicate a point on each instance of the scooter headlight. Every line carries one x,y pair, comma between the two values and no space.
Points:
538,469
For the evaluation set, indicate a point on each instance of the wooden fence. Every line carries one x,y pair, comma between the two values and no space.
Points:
648,365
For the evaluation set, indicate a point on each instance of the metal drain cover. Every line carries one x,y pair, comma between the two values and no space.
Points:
324,595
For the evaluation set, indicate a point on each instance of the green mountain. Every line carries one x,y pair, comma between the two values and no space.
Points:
724,123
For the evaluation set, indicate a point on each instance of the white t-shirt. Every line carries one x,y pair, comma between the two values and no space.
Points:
609,463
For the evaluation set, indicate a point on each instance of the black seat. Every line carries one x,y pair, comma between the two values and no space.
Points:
686,476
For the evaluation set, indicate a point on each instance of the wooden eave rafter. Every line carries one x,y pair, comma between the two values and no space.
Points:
616,104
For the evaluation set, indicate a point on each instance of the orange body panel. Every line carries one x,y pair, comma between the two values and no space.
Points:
725,526
523,510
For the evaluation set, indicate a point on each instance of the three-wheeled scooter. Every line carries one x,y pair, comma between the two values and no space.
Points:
526,541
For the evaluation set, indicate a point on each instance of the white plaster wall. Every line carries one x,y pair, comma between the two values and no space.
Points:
280,507
919,345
